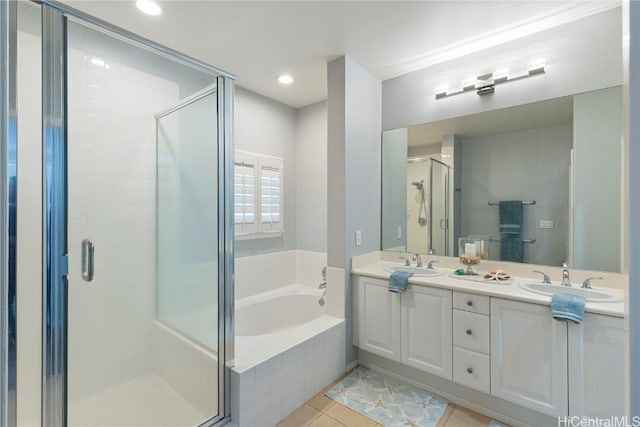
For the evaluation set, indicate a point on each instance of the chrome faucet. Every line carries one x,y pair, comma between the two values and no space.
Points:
417,259
545,276
406,261
430,264
587,282
565,275
322,285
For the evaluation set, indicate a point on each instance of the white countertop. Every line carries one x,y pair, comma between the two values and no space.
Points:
512,291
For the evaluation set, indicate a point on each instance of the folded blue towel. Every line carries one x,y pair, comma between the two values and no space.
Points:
567,307
511,248
398,281
510,216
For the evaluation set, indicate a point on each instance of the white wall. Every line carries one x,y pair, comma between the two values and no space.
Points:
265,126
311,177
266,272
417,234
579,59
525,165
394,177
597,142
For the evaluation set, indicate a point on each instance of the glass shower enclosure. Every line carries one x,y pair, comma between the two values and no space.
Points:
126,194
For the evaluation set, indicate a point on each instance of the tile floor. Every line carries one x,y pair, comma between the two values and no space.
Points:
324,412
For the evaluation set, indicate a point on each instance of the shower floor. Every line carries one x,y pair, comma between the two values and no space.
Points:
143,401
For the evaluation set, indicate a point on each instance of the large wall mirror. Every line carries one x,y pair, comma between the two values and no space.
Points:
561,158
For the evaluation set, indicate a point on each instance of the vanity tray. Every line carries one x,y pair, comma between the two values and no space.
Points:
480,279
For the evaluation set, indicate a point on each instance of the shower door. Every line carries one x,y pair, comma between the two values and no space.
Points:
139,257
439,207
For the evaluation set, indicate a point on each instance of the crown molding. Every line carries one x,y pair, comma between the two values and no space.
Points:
554,18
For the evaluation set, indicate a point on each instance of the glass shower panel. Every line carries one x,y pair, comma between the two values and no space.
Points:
125,367
187,230
439,223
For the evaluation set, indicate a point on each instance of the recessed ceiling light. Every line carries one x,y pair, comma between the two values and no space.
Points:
149,7
285,79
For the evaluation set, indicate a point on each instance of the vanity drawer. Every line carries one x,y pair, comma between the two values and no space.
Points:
471,369
471,331
471,302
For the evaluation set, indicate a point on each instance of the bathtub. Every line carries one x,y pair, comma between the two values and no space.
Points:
272,322
287,349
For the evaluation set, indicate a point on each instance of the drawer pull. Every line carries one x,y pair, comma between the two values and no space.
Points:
469,332
470,303
469,370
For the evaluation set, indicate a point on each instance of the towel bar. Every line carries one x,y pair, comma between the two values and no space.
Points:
524,202
491,239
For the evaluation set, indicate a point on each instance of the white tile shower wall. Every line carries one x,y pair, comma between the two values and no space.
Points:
112,175
309,267
267,393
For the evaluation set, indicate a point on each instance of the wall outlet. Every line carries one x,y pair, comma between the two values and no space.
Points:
358,237
546,223
399,233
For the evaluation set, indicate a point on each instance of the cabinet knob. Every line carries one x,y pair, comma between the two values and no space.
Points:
470,370
469,332
469,303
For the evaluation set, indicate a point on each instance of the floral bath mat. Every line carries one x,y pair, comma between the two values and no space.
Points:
388,401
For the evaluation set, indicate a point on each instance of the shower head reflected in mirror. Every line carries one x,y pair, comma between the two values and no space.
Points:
418,184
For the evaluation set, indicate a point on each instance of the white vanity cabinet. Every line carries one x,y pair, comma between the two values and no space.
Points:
529,356
378,318
426,330
596,367
413,327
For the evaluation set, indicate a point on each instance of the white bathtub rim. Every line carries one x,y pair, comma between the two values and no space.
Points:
276,293
279,342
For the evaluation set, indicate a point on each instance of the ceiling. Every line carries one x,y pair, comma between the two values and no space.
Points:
258,40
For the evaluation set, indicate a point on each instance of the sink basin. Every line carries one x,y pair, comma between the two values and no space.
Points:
591,295
417,271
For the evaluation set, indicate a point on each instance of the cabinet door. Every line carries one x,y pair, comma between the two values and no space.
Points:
378,318
427,330
596,367
529,356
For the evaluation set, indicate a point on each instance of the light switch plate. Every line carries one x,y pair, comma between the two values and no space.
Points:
546,223
358,237
399,233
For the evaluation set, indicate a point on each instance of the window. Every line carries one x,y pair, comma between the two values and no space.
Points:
258,195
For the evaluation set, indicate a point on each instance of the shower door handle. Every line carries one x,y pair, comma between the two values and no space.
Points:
87,260
444,223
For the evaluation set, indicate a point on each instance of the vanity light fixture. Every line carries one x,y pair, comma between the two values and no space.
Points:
285,79
149,7
441,92
486,83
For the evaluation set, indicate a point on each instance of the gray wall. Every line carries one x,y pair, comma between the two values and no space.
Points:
354,147
570,50
525,165
597,121
311,177
394,188
363,151
265,126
